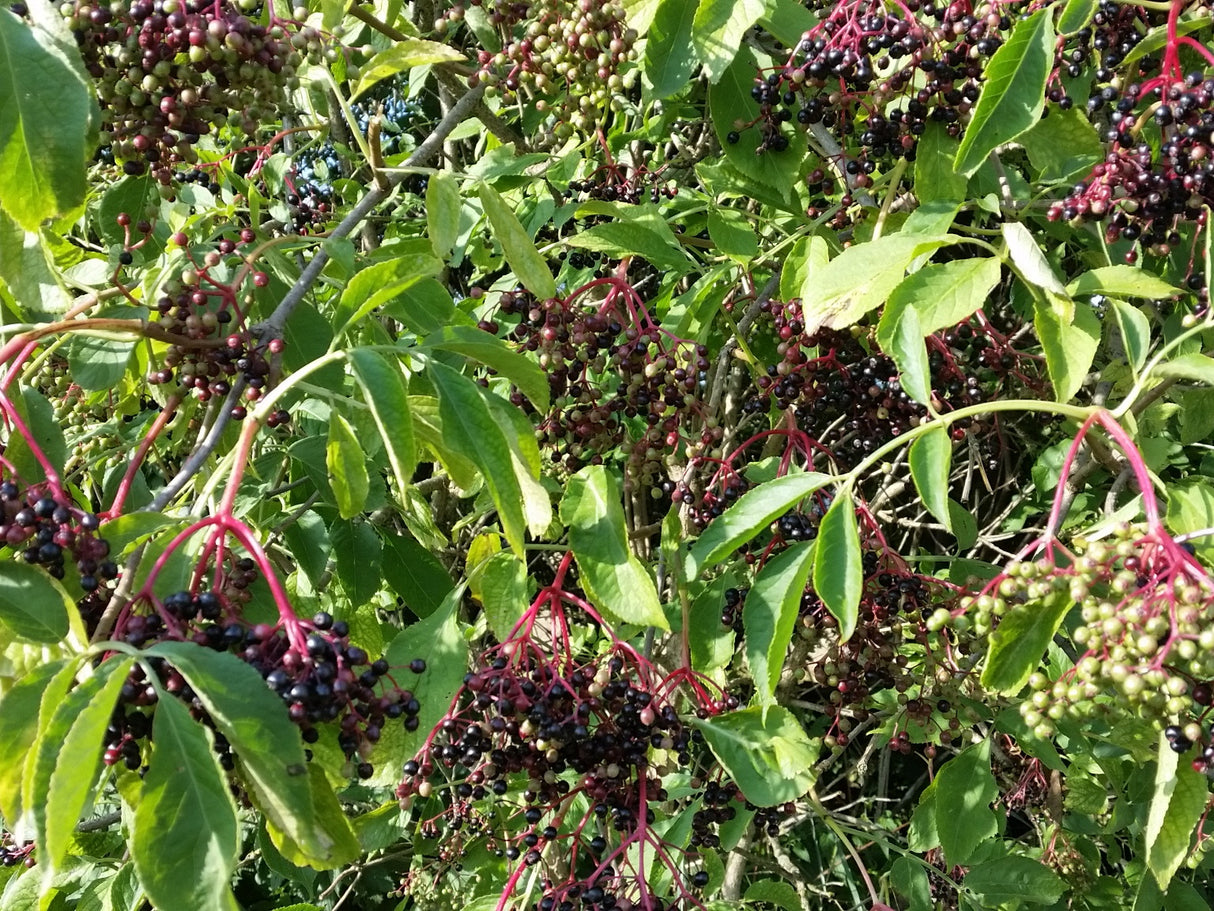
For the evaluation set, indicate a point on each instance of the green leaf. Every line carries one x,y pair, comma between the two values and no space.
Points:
503,581
33,606
39,416
1015,879
443,204
387,396
1122,280
185,819
774,892
935,178
125,531
1177,805
941,295
729,100
614,579
964,790
669,53
475,431
770,614
1135,331
1076,14
267,745
437,639
328,815
66,757
931,458
1013,91
750,516
27,268
909,878
404,54
620,238
839,566
732,234
921,834
808,256
19,710
377,285
1034,268
493,352
1069,349
718,29
347,467
98,362
415,574
1019,642
425,307
1191,508
1062,146
909,351
48,121
861,278
529,267
769,758
711,642
1196,367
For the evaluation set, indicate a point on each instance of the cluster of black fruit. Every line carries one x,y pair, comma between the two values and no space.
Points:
849,399
608,374
45,532
321,677
875,80
1159,171
168,72
13,854
616,183
524,724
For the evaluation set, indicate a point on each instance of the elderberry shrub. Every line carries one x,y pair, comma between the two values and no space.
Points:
168,72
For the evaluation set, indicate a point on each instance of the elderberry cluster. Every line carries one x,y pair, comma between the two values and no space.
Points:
1147,626
13,853
875,77
572,54
168,72
614,183
615,377
46,532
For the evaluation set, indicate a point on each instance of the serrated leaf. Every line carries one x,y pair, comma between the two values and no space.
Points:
839,565
1135,331
1062,146
770,614
1069,348
443,204
964,790
98,362
48,122
185,819
941,295
379,284
1018,643
718,29
935,178
931,460
861,278
620,238
1013,91
1196,367
1015,879
1076,14
1123,280
1177,803
404,54
387,397
33,606
329,816
909,352
504,592
493,352
733,235
766,753
437,639
529,267
27,268
614,579
773,892
19,711
66,758
751,515
415,575
669,53
347,467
